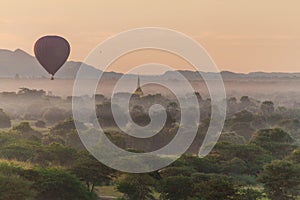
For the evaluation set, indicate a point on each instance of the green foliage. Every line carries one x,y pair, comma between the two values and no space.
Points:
44,155
52,183
21,151
251,158
66,134
295,156
281,179
24,181
209,164
66,126
234,166
92,171
136,186
276,141
248,194
27,132
177,188
23,127
55,154
49,139
15,187
213,186
228,172
273,135
177,171
244,179
6,138
232,137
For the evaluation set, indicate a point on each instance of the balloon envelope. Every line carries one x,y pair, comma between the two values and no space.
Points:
52,52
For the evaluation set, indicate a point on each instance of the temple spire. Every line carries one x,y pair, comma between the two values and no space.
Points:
138,82
139,92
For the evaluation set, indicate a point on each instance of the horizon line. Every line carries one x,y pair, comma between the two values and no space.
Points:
188,70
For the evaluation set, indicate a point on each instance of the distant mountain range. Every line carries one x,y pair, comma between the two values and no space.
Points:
21,63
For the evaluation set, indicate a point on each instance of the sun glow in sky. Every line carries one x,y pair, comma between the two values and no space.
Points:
240,35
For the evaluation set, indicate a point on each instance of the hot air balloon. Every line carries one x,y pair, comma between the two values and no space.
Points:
52,52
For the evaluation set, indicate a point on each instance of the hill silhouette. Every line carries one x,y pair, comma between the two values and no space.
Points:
21,63
26,66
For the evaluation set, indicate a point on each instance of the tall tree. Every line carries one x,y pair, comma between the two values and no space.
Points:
92,171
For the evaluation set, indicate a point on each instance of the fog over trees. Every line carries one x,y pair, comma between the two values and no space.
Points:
43,157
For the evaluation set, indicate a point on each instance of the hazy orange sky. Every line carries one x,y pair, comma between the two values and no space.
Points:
240,35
